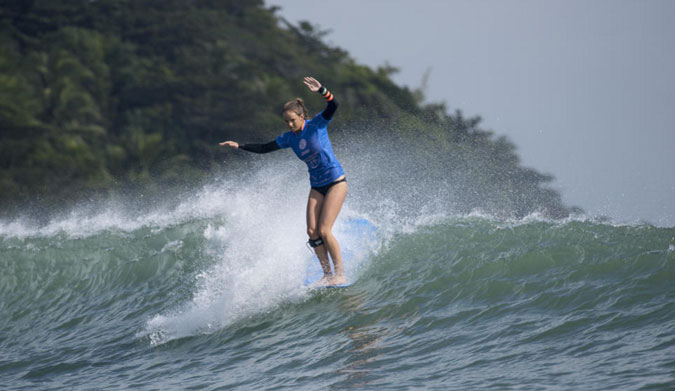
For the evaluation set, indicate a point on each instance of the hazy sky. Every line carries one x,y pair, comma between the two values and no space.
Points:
585,89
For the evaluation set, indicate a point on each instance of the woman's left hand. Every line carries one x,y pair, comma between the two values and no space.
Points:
312,84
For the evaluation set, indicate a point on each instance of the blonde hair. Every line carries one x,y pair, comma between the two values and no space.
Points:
297,106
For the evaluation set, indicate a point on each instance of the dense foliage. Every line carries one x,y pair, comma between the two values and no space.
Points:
95,94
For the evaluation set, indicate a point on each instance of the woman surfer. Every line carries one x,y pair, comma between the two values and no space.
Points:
309,140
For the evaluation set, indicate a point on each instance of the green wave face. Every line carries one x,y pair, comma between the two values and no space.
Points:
437,302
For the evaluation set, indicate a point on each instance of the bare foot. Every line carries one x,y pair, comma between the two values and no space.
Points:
338,279
324,281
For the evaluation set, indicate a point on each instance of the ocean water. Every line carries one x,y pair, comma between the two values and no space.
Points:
206,293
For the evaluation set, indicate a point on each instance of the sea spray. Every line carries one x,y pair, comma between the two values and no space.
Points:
205,291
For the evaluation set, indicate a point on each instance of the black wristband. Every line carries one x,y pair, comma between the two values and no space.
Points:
323,90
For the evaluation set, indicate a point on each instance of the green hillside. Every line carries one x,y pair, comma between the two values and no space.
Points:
96,95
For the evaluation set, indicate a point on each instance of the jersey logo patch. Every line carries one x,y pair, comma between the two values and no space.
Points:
313,161
302,144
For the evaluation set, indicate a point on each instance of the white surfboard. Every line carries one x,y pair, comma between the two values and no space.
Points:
354,233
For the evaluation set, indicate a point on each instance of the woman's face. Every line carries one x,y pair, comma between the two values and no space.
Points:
293,120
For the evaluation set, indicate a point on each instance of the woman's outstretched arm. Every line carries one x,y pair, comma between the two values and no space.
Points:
255,148
332,105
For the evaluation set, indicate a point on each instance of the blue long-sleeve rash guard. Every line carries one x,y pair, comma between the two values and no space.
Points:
311,145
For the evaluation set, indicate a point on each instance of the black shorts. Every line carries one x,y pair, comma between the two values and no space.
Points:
323,190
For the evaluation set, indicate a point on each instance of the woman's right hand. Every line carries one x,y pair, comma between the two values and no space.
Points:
232,144
312,84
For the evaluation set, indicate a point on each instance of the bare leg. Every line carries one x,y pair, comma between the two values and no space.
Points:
332,203
314,205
